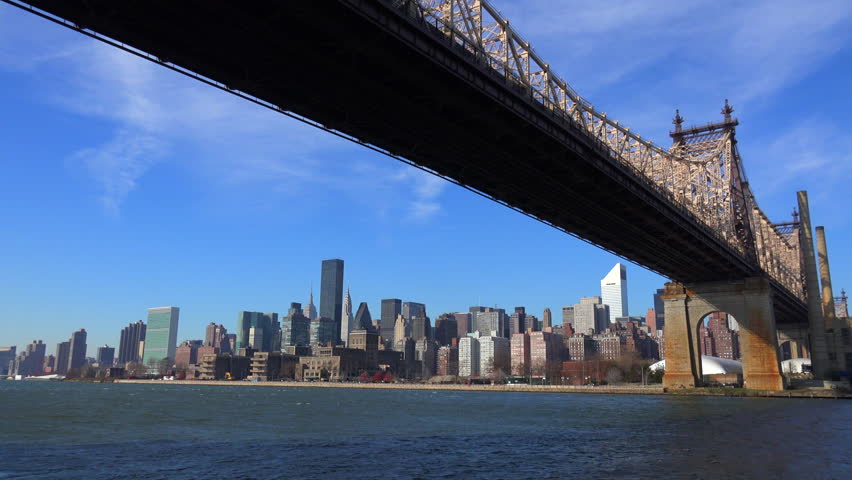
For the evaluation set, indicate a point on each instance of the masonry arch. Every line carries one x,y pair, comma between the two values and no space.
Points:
749,301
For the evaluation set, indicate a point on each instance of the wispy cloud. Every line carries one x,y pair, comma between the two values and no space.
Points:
156,112
746,50
812,152
118,165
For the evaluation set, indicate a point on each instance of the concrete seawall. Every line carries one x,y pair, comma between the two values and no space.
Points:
607,390
633,390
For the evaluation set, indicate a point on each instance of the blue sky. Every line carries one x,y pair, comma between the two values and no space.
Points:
126,186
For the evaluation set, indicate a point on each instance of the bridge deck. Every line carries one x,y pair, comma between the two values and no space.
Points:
364,68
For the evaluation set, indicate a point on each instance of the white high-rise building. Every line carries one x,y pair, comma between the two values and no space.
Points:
469,355
346,319
494,354
614,292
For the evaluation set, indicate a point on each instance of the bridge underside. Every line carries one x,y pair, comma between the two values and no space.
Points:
366,69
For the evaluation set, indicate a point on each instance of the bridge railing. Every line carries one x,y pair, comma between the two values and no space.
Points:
700,186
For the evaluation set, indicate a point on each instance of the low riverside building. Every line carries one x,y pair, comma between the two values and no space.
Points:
334,363
269,366
369,343
221,366
392,361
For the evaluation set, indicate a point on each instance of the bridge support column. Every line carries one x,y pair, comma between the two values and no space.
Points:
750,302
817,345
681,345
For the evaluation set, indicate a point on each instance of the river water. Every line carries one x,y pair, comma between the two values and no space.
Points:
104,431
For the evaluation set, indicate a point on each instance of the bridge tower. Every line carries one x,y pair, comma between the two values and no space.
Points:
728,205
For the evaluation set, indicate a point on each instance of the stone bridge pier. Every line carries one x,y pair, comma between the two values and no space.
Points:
797,339
749,301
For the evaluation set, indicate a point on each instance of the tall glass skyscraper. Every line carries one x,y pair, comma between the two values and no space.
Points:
160,334
264,322
391,308
77,352
614,292
331,293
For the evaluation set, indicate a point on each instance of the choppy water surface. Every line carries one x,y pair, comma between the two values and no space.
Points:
72,430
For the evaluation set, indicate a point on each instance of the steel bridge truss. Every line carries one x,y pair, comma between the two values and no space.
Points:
702,172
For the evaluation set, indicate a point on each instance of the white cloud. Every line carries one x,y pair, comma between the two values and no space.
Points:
231,142
751,49
118,165
420,211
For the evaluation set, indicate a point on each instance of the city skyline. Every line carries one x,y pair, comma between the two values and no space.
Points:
247,321
153,181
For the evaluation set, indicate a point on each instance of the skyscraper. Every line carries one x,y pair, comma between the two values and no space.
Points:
216,336
469,355
518,321
161,335
106,355
30,361
346,318
63,354
446,328
323,331
331,293
421,327
659,309
391,308
296,328
590,315
401,329
413,309
266,323
464,322
7,356
77,354
129,348
614,292
310,308
491,320
363,320
546,319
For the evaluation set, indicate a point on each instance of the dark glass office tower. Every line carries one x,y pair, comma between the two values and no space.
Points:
363,320
331,292
77,354
413,309
391,308
128,347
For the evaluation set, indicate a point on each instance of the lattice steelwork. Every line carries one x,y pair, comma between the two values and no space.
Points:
702,172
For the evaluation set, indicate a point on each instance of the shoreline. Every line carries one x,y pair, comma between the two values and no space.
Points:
606,390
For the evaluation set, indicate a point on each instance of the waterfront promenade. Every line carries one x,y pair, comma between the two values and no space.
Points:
607,389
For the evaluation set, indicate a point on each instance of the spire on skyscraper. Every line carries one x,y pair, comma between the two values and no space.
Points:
310,308
346,317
